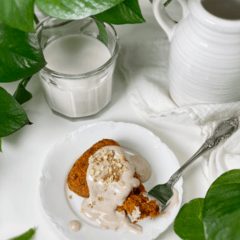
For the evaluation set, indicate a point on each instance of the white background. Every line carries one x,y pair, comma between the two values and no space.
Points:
24,151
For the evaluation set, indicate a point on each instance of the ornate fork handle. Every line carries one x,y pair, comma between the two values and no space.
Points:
223,131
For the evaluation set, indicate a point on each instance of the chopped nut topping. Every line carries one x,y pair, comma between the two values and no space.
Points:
113,170
90,205
111,179
121,183
98,173
81,210
100,198
119,165
122,158
111,153
91,159
70,196
110,170
105,185
124,168
104,151
92,171
116,178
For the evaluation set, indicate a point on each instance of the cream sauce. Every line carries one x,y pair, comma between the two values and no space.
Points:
101,206
143,168
74,225
174,202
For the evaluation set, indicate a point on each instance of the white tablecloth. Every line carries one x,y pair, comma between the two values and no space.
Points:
24,151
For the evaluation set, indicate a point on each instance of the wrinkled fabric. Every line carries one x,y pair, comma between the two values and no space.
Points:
145,69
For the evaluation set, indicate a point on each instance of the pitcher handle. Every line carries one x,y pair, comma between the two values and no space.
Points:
163,18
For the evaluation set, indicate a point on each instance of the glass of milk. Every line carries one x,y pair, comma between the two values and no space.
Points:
77,80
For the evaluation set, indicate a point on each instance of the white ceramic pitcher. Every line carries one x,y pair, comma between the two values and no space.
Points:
204,58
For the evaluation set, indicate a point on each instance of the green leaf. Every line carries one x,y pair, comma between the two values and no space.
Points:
126,12
221,212
12,115
26,236
36,19
20,54
188,224
21,94
18,14
103,37
75,9
166,3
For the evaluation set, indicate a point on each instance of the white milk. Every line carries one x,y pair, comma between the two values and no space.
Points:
76,54
77,97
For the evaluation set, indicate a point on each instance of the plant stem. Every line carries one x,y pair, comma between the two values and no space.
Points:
36,19
24,81
166,3
21,94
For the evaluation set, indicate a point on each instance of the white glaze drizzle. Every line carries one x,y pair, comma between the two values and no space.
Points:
143,168
104,211
74,225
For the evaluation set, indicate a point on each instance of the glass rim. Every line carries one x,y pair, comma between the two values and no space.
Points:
87,74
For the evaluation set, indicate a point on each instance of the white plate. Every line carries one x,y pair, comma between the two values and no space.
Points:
54,192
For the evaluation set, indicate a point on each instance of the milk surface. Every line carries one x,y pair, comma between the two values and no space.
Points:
76,54
69,95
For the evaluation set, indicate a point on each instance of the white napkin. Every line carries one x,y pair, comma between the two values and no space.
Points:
144,67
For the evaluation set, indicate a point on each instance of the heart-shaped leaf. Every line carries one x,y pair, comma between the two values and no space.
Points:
123,13
21,94
221,211
75,9
26,236
20,54
188,224
18,14
12,115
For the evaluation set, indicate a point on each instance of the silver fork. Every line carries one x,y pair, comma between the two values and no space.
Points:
163,192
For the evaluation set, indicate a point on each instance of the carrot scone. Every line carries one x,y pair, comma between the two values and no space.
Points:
111,188
77,181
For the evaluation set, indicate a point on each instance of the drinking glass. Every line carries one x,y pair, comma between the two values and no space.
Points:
78,95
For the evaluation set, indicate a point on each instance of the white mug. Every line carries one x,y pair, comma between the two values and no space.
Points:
204,63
